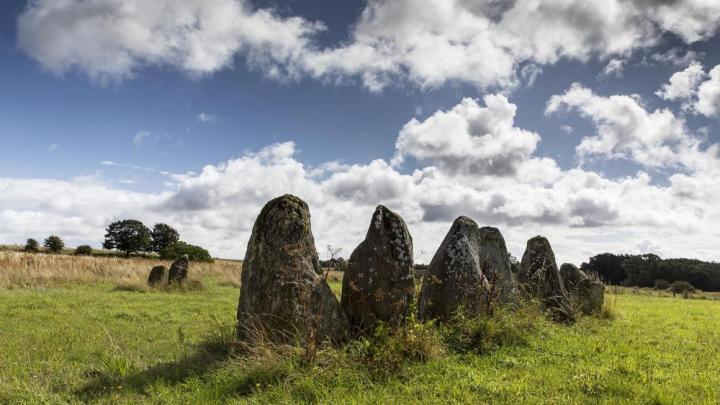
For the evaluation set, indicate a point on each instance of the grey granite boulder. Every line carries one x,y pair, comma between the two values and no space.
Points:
158,276
378,284
454,279
282,297
539,277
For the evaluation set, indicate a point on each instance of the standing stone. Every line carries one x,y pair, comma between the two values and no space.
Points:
158,276
179,271
454,278
378,284
282,297
539,277
586,293
495,263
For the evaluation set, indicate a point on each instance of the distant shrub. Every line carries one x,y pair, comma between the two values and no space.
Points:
83,250
195,253
31,246
54,244
681,287
661,284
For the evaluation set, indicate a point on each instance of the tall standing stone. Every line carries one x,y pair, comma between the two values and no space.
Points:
454,278
179,271
495,263
539,276
378,284
282,296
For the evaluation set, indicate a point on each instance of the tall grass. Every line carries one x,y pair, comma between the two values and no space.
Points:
18,270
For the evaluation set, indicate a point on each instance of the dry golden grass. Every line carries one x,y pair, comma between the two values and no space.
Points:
18,270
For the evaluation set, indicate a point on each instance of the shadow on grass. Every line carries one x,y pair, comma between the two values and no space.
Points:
119,376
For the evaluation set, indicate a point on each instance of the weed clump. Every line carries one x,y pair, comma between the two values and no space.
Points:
507,326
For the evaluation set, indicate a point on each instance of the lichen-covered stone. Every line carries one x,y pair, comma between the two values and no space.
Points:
158,276
179,271
454,278
378,284
571,276
282,297
539,277
590,295
586,293
495,264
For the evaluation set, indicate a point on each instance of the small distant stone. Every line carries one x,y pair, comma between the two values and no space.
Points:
158,276
179,271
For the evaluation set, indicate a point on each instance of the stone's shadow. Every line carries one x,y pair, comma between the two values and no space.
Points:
208,357
174,372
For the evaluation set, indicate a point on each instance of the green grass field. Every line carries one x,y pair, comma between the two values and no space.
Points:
92,343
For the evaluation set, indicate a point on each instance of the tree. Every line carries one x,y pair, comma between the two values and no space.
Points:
128,236
180,248
661,284
83,250
54,244
681,287
163,236
31,246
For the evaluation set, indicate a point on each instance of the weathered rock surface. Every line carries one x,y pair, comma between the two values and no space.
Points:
378,284
495,264
454,278
178,271
539,277
282,296
158,276
571,276
586,293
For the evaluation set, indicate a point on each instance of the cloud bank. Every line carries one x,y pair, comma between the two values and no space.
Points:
426,42
471,159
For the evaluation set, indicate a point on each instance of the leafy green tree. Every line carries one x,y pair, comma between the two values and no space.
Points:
128,236
661,284
163,236
31,246
177,250
54,244
681,287
83,250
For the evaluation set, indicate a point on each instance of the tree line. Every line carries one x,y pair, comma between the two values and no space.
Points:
650,270
132,236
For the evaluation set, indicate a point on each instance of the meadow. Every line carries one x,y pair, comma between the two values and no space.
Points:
81,330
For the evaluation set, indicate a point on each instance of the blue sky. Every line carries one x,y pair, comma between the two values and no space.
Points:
100,109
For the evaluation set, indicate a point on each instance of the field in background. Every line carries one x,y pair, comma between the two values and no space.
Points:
18,270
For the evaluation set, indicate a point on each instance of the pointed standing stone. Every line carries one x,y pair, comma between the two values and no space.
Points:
495,262
378,284
539,277
455,278
179,271
282,296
